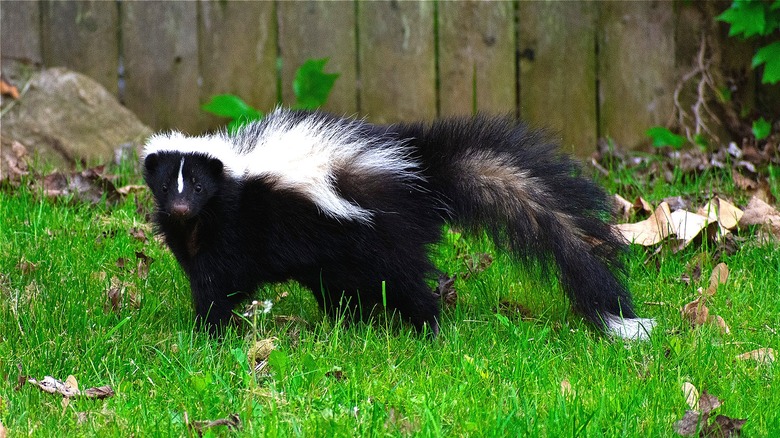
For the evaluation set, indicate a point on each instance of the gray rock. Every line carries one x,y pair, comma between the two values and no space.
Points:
65,117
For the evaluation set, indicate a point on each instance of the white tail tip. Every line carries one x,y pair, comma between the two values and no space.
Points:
637,329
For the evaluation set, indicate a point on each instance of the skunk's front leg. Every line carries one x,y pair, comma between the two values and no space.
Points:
214,302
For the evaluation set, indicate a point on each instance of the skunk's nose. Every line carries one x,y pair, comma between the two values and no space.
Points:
180,209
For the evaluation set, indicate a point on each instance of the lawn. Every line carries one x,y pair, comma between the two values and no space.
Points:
88,291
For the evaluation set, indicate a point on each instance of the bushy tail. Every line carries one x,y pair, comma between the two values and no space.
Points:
497,175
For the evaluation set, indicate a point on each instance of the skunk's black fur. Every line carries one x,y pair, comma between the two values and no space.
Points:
341,206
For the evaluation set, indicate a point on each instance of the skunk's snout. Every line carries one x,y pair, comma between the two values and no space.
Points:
180,210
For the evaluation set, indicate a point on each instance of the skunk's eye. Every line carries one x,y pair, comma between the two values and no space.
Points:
165,188
198,188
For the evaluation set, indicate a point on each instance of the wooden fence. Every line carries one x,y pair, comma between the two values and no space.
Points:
584,69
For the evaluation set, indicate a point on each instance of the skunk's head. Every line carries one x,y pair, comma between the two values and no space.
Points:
182,184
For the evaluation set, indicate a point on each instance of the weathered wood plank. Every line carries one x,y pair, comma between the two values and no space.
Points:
558,70
20,31
237,47
317,29
636,68
82,35
161,63
396,60
477,57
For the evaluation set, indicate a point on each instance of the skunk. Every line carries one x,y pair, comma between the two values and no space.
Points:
350,209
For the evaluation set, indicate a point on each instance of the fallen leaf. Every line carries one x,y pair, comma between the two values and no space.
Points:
99,392
258,354
144,261
6,89
26,267
336,374
623,207
720,274
691,395
743,182
764,355
696,311
758,212
70,388
73,384
445,290
126,190
566,390
689,423
723,426
89,185
687,226
721,323
232,422
640,204
649,231
138,234
114,296
477,263
708,402
53,386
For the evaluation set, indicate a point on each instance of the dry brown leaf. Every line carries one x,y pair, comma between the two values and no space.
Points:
70,388
721,323
73,384
696,311
691,395
724,426
640,204
649,231
687,226
623,207
764,355
743,182
445,289
708,402
132,188
232,422
566,390
720,274
6,89
99,392
759,212
258,354
688,424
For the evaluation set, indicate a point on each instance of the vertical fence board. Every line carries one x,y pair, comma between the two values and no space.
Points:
636,68
20,32
241,61
558,70
476,57
161,63
82,35
397,60
316,29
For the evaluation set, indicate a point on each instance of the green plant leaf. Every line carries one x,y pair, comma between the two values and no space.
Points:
746,17
769,56
311,85
231,106
761,129
663,137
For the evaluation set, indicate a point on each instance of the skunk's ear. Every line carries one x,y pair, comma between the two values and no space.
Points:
151,162
215,166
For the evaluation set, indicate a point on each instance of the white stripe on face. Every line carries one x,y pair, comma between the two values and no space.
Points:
181,176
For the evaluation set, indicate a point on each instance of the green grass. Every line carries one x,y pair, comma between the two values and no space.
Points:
486,375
